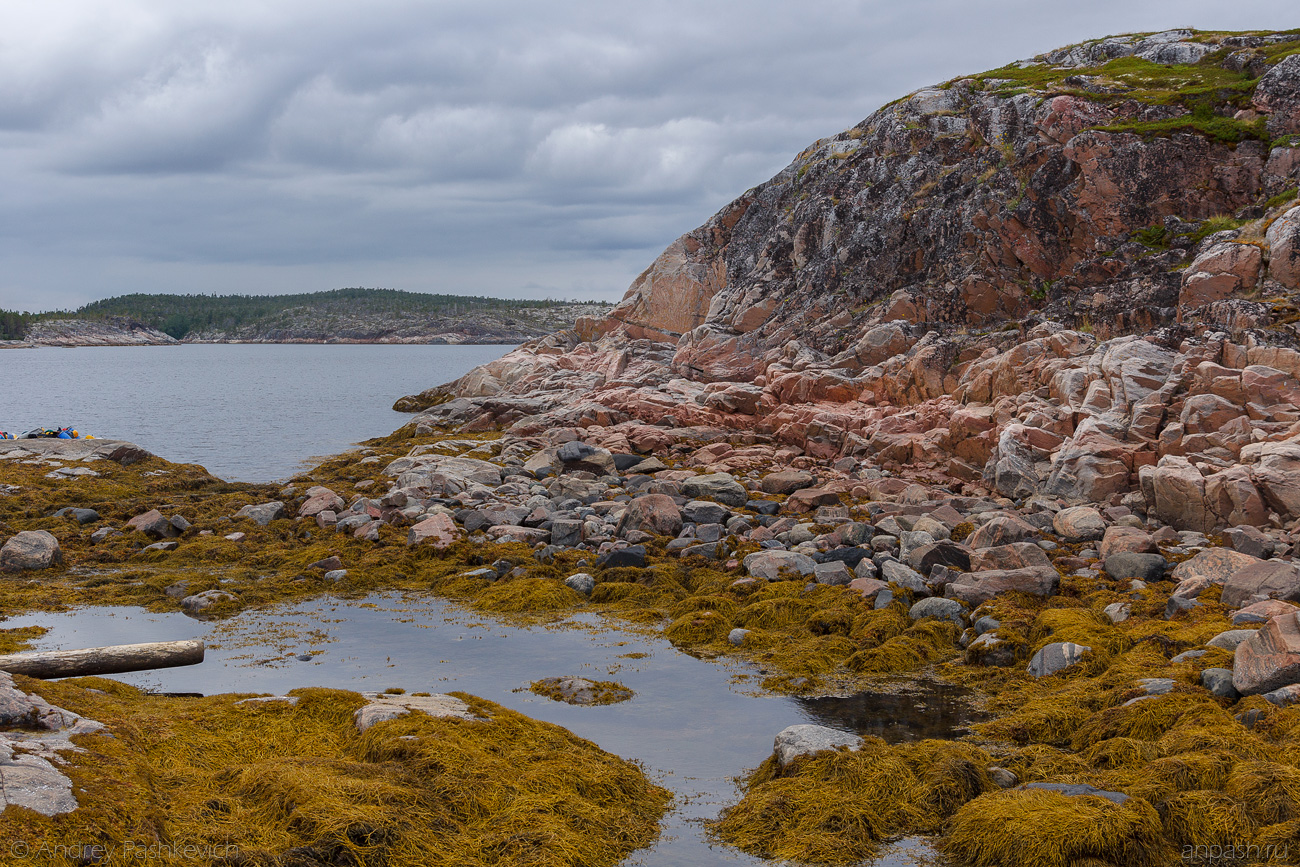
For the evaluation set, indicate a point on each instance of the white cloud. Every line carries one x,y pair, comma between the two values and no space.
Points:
486,146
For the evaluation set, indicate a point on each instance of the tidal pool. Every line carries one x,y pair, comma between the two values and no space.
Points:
694,725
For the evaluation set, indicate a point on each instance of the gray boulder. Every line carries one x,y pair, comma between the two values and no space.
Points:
201,602
29,550
1126,565
153,524
581,582
704,512
834,572
1264,579
805,740
1219,682
1055,657
941,609
779,565
264,513
718,486
1079,524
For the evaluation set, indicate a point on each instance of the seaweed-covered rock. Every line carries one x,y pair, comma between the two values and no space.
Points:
776,565
30,550
1057,656
263,514
382,707
805,740
580,691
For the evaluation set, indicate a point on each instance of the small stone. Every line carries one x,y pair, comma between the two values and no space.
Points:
737,636
179,524
834,573
153,524
169,545
236,537
1003,778
335,575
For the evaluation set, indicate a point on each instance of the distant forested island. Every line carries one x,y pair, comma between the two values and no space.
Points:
354,315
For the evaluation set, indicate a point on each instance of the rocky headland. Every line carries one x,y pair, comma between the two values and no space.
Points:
997,387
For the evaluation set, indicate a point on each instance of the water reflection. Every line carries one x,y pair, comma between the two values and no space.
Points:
920,710
694,725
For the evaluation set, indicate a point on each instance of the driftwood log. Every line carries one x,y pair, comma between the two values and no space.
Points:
104,660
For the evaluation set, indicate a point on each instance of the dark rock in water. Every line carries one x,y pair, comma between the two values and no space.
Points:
201,602
1077,790
632,555
29,550
1126,565
580,691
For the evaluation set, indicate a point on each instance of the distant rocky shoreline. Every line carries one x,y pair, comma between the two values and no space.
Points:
479,328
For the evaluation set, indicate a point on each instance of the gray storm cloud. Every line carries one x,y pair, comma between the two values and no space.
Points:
502,148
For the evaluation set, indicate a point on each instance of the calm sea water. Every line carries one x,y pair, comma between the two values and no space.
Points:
252,413
694,725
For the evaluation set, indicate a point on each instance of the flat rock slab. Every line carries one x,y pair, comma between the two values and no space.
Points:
806,740
777,565
1076,790
383,707
975,588
1263,579
74,450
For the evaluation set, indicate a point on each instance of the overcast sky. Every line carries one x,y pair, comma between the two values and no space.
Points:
520,149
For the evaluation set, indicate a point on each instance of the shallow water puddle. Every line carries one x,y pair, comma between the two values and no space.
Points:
694,725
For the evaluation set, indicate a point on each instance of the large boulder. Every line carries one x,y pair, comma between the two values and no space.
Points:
805,740
1175,494
1017,555
320,499
1079,524
29,550
656,514
1220,272
716,486
975,588
1002,530
1270,658
1278,96
438,530
1126,539
1213,566
787,481
1284,245
1263,579
779,565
